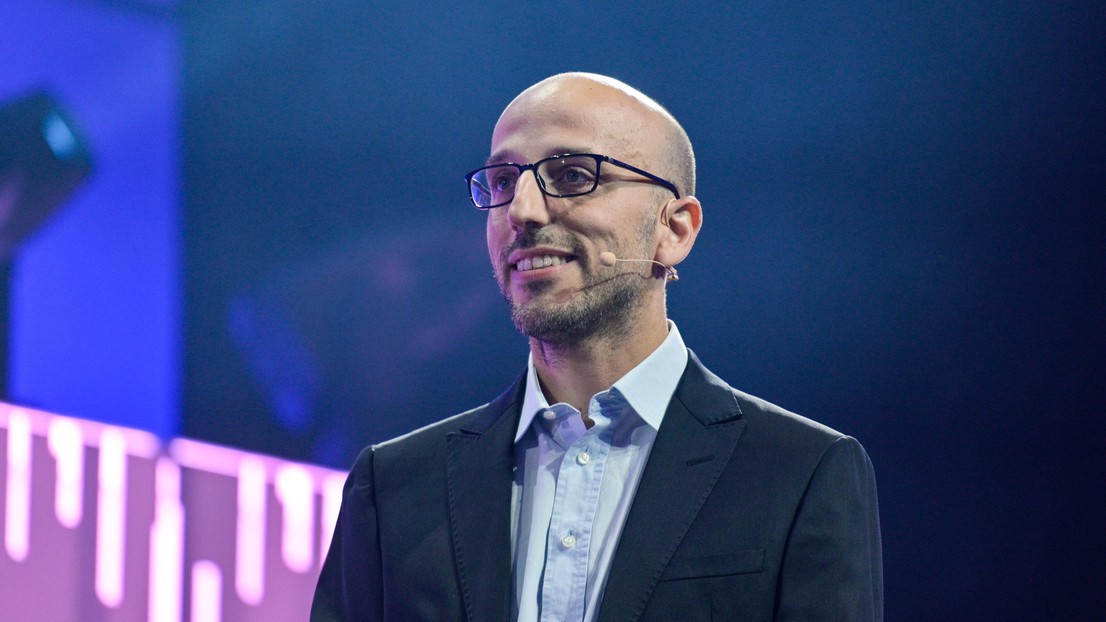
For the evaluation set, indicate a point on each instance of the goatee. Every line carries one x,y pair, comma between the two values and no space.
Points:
603,306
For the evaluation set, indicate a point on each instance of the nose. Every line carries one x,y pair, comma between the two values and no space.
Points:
528,207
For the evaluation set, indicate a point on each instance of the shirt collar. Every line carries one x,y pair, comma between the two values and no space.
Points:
648,387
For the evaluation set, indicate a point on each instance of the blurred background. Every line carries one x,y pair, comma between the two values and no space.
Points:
270,245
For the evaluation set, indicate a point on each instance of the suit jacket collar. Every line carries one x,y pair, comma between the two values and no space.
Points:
479,474
700,430
699,434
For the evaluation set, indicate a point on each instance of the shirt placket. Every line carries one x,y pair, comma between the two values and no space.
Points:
568,543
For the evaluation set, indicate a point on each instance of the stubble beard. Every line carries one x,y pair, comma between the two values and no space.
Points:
603,308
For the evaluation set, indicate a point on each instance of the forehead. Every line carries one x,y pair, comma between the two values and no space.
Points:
574,116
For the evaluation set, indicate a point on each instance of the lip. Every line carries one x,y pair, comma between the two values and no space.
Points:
517,256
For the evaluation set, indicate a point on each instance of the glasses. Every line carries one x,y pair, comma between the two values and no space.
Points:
568,175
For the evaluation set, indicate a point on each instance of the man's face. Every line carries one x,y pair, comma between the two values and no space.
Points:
545,251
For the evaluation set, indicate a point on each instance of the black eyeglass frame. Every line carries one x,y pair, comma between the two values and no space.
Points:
533,166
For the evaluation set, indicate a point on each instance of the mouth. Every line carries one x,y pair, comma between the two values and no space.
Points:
537,262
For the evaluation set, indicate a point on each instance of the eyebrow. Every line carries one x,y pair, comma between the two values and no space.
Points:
502,157
498,157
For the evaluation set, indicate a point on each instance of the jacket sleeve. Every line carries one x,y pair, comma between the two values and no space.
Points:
832,566
351,581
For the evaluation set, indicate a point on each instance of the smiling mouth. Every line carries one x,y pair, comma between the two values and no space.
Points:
541,261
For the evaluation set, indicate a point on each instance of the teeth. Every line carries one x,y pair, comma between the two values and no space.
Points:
541,261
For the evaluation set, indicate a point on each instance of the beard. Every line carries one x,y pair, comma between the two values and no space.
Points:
603,307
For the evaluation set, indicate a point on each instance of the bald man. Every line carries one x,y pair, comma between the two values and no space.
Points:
618,478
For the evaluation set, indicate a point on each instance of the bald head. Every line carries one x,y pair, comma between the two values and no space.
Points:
637,127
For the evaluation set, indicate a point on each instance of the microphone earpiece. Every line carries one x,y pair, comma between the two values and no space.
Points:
609,259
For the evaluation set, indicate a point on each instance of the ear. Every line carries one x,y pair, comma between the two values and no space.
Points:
678,230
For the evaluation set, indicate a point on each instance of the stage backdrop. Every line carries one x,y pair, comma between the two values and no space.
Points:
903,239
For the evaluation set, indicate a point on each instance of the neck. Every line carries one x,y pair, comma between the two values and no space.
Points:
573,373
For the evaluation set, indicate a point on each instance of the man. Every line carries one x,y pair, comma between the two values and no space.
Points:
618,479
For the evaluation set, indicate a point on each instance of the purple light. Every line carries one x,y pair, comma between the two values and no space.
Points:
332,503
142,487
296,493
207,592
111,517
166,545
249,576
66,443
17,515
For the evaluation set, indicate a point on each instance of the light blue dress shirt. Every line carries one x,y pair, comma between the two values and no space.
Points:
574,486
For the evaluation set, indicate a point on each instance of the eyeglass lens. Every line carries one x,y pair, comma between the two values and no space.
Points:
559,177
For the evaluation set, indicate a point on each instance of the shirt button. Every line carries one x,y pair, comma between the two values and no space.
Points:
549,415
582,458
568,541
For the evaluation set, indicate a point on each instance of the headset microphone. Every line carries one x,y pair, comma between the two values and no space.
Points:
607,258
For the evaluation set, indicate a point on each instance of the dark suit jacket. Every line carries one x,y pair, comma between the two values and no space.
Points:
744,512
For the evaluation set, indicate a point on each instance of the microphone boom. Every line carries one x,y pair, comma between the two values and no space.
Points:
609,259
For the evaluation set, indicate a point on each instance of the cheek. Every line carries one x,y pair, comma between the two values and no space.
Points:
495,237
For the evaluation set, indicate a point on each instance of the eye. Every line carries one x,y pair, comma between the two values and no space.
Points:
573,175
503,180
569,175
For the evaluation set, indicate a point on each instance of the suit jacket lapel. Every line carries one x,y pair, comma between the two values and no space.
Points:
479,474
696,439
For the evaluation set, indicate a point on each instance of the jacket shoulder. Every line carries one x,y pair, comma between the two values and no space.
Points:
761,412
428,442
707,395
